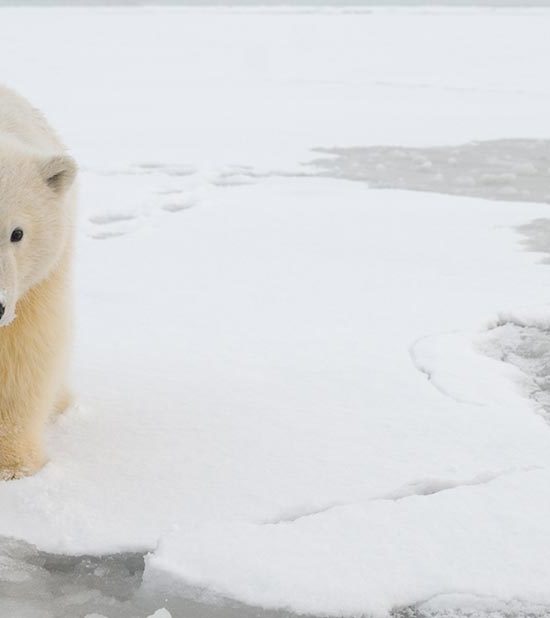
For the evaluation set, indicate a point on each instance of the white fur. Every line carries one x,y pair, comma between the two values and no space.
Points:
37,195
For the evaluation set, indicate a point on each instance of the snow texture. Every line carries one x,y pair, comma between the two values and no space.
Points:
293,389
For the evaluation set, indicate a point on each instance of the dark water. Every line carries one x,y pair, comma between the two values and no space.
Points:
35,584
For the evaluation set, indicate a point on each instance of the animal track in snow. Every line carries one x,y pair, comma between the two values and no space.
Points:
179,205
163,168
103,235
138,193
106,219
145,168
111,225
235,179
146,189
170,192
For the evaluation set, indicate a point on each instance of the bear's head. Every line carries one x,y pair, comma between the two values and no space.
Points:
35,219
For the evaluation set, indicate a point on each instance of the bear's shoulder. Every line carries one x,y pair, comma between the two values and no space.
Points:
21,121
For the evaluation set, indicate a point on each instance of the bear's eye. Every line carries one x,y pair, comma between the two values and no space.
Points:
16,235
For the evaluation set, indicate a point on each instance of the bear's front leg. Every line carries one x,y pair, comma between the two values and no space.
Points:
21,452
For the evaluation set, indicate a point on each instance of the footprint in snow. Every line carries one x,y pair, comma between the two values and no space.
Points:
178,205
107,219
111,225
103,235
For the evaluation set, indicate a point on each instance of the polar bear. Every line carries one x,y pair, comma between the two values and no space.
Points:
37,210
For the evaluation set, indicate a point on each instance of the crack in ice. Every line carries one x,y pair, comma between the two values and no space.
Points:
429,373
420,488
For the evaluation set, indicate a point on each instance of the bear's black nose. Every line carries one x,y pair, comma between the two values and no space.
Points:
2,309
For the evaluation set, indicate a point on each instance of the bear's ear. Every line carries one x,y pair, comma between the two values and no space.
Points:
58,172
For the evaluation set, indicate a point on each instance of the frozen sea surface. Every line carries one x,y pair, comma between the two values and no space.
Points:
297,393
38,584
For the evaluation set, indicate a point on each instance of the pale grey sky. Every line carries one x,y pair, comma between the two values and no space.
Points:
526,3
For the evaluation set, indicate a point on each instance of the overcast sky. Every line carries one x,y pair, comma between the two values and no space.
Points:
283,2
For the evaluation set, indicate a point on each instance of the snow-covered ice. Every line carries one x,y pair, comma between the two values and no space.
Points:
296,392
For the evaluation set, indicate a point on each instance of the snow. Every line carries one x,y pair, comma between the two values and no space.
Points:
450,541
291,393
